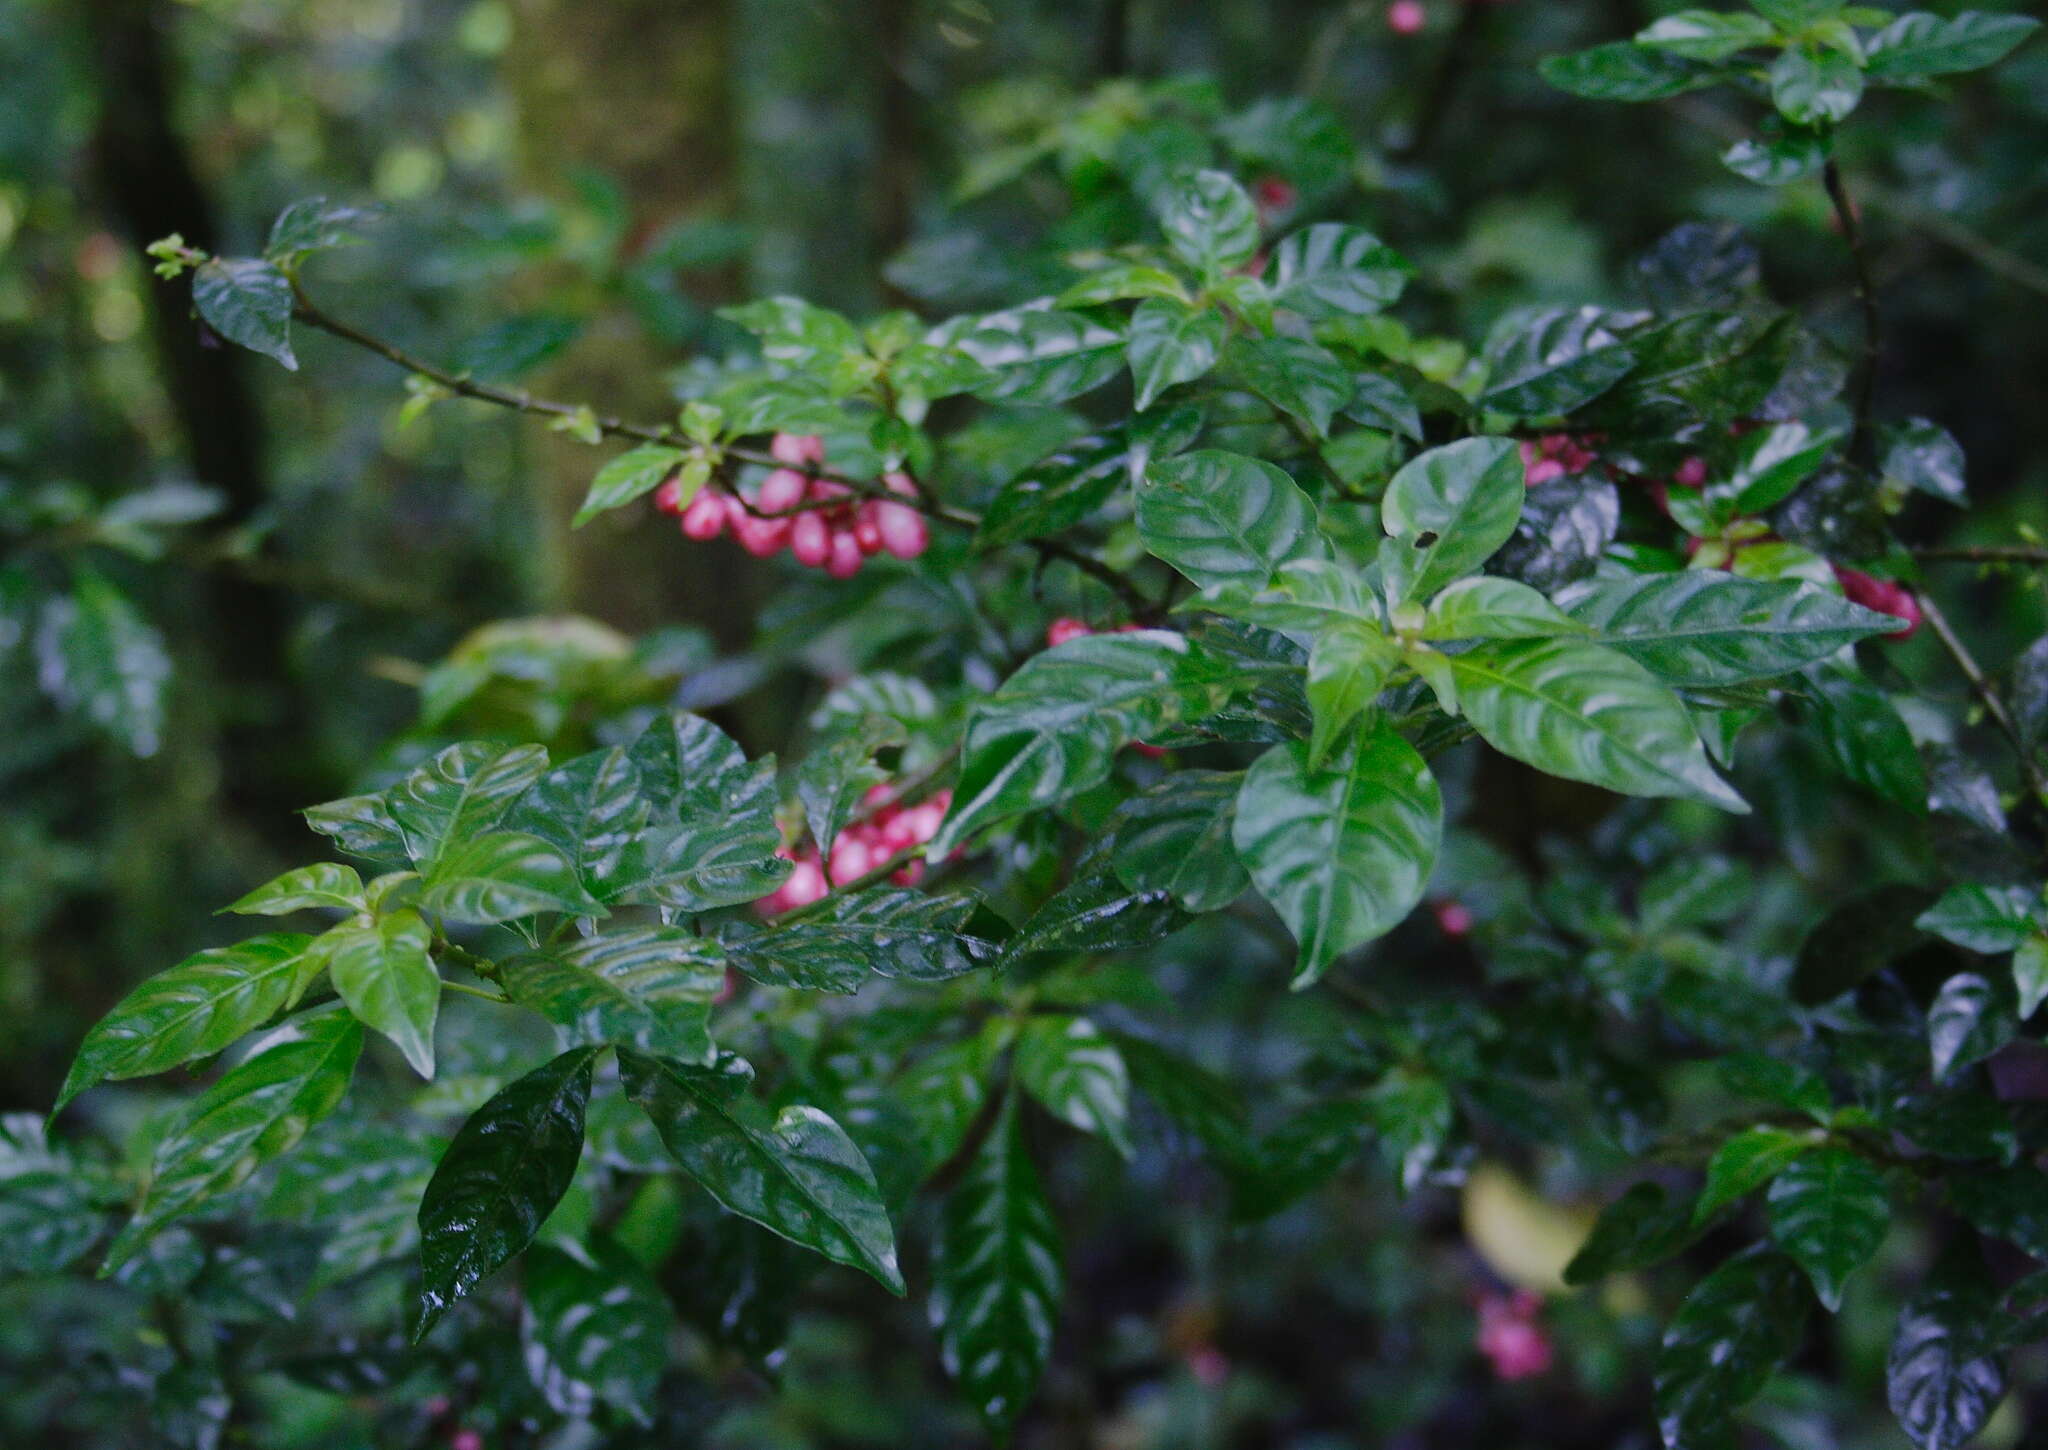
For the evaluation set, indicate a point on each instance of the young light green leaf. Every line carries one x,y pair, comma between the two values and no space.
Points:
1171,343
1342,853
794,1171
1829,1210
1576,709
248,302
633,473
1486,607
1745,1163
508,1167
1705,627
646,987
1223,518
1122,282
997,1277
1175,838
192,1010
325,885
1985,919
382,972
1451,508
1054,727
1077,1075
259,1109
1348,666
501,876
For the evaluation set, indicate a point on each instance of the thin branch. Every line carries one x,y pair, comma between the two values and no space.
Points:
1980,683
1984,554
448,986
1866,300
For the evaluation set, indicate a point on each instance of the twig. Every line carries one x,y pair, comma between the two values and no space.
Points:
448,986
1983,554
1986,692
1866,300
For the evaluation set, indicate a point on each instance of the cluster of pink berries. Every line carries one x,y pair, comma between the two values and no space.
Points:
887,829
1886,596
1556,454
836,530
1511,1336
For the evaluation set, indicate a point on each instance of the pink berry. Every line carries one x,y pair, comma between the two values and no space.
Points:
797,449
1406,17
1692,473
761,537
466,1439
1542,471
668,497
844,557
902,529
1064,628
1453,918
810,539
900,482
867,528
782,490
704,516
852,857
806,883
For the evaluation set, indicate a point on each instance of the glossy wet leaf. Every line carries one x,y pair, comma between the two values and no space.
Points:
1058,491
508,1167
1734,1330
462,792
1707,627
1343,853
1451,508
1210,223
1485,607
1945,1376
1223,518
1745,1163
1347,669
248,302
1577,709
1986,919
592,811
382,972
1553,362
259,1109
596,1329
633,473
997,1277
1332,269
1075,1073
794,1171
1175,838
883,931
645,987
1041,355
1094,913
1300,378
1641,1228
1171,343
1625,71
1920,44
324,886
711,834
1829,1210
192,1010
504,875
1970,1018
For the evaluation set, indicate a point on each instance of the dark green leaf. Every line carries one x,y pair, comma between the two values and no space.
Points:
1926,457
1342,853
883,931
1175,838
1707,34
591,811
1704,627
1300,378
1970,1018
1829,1210
1730,1335
99,658
1919,45
1944,1375
596,1329
1856,939
712,831
1641,1228
314,224
1554,362
1222,518
508,1167
1040,355
646,987
1451,508
2009,1203
249,302
1777,160
794,1171
504,875
1096,913
1624,71
462,792
1057,492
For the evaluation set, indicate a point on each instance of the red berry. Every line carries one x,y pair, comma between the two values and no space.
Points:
1064,628
1406,17
465,1439
797,449
844,557
668,497
1883,595
782,490
810,539
867,528
1453,918
1692,473
760,537
902,529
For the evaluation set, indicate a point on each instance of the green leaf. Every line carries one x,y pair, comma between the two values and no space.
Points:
1171,343
631,474
834,778
1704,627
1730,1335
192,1010
1300,378
1829,1210
1944,1375
461,792
1335,270
508,1167
1970,1018
1641,1228
323,886
1579,710
1191,1097
98,657
1058,491
47,1221
884,931
362,825
2030,975
1452,507
1815,85
259,1109
1779,159
596,1330
2009,1203
1342,853
1041,355
996,1277
1382,403
712,832
1866,737
1553,362
1790,17
1773,1080
650,988
314,224
1175,838
1625,71
1985,919
504,875
1925,456
592,811
796,332
384,975
1222,518
1485,607
1861,936
1076,1074
1122,282
1347,668
1210,223
1095,913
1745,1163
248,302
794,1172
1772,462
1707,34
1920,45
1054,727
